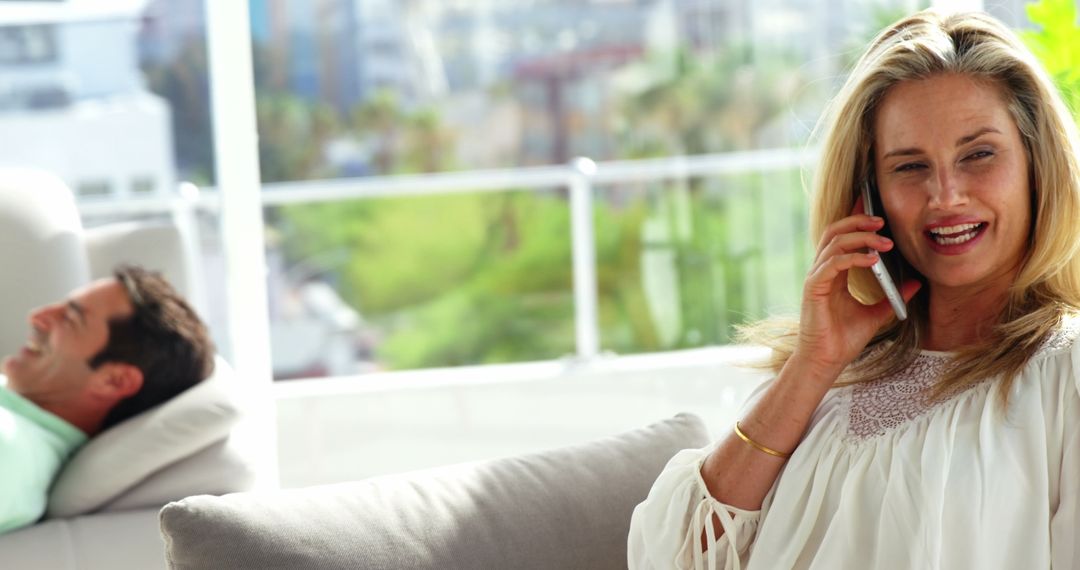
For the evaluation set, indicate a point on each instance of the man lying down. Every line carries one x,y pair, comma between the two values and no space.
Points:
111,350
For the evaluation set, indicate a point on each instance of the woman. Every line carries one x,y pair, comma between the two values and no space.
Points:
947,440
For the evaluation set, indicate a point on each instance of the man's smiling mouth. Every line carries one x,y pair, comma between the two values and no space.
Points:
36,343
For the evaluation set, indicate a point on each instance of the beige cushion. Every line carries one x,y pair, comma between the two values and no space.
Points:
566,508
130,452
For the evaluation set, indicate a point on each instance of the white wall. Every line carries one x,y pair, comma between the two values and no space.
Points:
409,421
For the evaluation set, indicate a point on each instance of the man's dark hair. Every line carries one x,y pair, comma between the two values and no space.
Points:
163,338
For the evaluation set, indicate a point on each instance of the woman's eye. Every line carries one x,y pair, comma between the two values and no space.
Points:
909,167
979,154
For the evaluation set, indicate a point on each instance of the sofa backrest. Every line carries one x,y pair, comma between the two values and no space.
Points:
566,508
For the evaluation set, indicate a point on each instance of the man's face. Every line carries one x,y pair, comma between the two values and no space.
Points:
54,366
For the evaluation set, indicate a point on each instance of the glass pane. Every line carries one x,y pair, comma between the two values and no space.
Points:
416,282
682,262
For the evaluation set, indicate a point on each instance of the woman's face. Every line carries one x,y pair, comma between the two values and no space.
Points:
953,176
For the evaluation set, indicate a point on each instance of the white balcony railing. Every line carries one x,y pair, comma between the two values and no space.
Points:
579,178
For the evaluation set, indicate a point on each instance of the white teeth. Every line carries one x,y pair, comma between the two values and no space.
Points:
947,230
972,230
33,346
959,233
956,240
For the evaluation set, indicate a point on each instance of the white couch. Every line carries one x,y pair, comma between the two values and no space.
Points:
103,508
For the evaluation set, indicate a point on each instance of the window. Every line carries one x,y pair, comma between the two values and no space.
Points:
94,188
143,185
28,45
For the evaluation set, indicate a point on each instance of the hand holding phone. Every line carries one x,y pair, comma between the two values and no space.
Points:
878,269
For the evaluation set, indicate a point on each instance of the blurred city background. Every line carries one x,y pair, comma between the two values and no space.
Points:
113,96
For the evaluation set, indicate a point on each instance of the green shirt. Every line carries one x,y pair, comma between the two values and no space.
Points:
33,446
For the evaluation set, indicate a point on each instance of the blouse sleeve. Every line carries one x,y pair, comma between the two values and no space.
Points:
666,529
1065,521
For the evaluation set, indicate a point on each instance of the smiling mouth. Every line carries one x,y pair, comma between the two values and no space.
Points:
955,235
35,344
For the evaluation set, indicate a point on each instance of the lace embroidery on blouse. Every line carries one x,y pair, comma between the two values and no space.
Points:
877,408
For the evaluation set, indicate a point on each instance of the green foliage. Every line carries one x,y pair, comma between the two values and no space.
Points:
730,249
402,251
292,136
1057,45
402,141
695,104
514,303
476,278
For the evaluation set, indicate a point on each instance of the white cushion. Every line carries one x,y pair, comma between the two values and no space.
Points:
126,454
219,468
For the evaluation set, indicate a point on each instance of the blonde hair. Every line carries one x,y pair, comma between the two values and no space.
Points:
1047,286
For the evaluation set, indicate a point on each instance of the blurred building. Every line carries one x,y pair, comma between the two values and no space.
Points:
168,27
72,99
336,52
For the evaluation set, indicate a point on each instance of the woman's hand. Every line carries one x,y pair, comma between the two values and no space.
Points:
834,326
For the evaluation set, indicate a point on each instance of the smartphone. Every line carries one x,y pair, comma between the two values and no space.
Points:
878,269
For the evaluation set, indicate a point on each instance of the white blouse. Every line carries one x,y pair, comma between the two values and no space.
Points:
882,481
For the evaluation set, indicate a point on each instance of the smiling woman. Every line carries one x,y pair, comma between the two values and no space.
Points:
946,440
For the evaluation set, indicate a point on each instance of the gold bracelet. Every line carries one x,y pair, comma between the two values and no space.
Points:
757,445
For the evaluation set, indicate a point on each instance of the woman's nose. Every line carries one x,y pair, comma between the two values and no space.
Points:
947,191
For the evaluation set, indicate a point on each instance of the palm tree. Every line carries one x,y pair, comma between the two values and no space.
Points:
379,120
700,104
